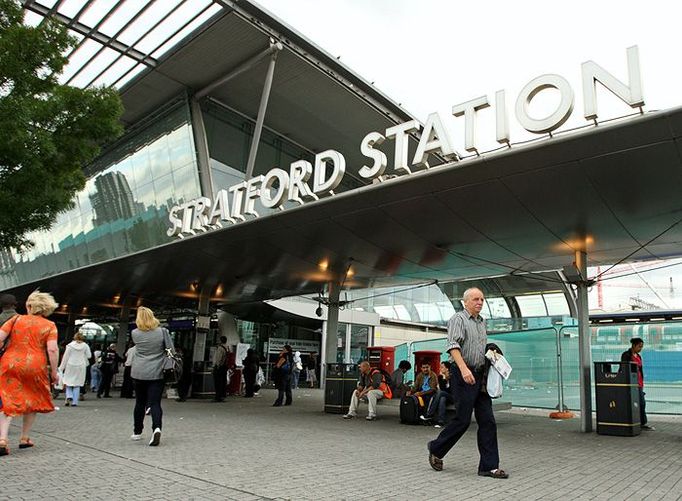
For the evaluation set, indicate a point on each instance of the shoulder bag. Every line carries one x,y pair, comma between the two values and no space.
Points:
6,343
172,363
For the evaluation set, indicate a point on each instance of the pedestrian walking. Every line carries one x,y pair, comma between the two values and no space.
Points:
108,368
467,341
251,365
127,387
296,369
74,366
24,381
220,370
151,341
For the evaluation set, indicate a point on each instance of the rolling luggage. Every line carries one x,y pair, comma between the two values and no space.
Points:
409,410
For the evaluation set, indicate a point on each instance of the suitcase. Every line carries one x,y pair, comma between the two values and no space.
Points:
409,410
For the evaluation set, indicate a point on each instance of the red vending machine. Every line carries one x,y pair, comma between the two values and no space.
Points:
381,357
431,356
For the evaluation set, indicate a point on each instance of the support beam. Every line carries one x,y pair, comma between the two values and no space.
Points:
201,145
243,67
584,352
93,34
329,331
123,322
203,320
250,164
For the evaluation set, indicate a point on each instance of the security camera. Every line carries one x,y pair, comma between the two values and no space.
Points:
318,311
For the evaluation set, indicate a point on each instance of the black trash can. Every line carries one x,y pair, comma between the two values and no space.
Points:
341,381
617,396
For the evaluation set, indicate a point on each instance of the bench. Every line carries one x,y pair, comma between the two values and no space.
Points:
498,405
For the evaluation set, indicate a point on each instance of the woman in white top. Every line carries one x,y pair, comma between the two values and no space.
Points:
74,365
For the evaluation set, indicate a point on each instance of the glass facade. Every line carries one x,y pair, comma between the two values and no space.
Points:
124,206
229,138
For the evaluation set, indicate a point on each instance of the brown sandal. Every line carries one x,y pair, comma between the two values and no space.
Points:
25,443
435,462
496,473
4,450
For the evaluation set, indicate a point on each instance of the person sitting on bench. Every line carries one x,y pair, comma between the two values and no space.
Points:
425,386
373,386
443,397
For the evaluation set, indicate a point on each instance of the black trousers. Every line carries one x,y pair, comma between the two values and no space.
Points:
642,407
220,382
105,384
468,399
147,395
127,388
284,388
249,382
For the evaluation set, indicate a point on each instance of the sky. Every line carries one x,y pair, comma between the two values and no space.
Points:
433,54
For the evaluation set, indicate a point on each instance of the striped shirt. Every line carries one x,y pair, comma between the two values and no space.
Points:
467,334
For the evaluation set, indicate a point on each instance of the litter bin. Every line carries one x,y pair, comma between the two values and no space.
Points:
617,396
340,383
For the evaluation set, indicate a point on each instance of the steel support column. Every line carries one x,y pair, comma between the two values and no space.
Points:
250,164
123,322
329,330
584,353
204,313
201,145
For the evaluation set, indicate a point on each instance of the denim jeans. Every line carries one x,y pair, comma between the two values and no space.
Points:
73,392
438,405
95,377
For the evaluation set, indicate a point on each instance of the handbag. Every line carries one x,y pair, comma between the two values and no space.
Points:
172,363
6,343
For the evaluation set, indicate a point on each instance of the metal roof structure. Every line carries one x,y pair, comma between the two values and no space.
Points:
612,189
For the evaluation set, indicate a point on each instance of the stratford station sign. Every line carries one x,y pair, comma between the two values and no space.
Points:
305,181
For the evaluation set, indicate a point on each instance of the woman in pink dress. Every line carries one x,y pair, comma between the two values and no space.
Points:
24,382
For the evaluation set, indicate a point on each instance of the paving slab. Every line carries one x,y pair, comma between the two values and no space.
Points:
244,449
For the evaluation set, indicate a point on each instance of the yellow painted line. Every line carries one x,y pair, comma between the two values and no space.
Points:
618,424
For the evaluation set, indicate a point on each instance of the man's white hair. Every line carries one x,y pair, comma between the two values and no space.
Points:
469,292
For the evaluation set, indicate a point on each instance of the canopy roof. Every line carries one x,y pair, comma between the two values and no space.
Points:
613,189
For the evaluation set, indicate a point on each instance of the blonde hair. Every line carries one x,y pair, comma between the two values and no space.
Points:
41,303
146,320
78,337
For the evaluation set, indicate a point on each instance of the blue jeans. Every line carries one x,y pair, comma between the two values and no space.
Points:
74,393
294,381
438,405
95,377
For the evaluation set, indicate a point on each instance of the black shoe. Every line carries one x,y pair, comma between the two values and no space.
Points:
99,396
288,403
276,405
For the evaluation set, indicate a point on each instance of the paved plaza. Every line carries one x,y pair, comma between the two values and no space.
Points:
244,449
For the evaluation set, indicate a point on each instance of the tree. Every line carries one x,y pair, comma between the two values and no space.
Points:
48,131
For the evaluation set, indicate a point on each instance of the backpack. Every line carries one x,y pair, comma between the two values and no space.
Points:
387,379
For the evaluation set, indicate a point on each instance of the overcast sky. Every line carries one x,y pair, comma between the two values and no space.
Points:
432,54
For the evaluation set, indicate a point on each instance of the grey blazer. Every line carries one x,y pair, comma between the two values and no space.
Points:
149,353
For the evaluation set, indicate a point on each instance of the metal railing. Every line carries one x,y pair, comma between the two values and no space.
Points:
546,369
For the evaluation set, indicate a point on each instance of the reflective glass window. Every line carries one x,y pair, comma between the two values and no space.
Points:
556,304
532,305
124,205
